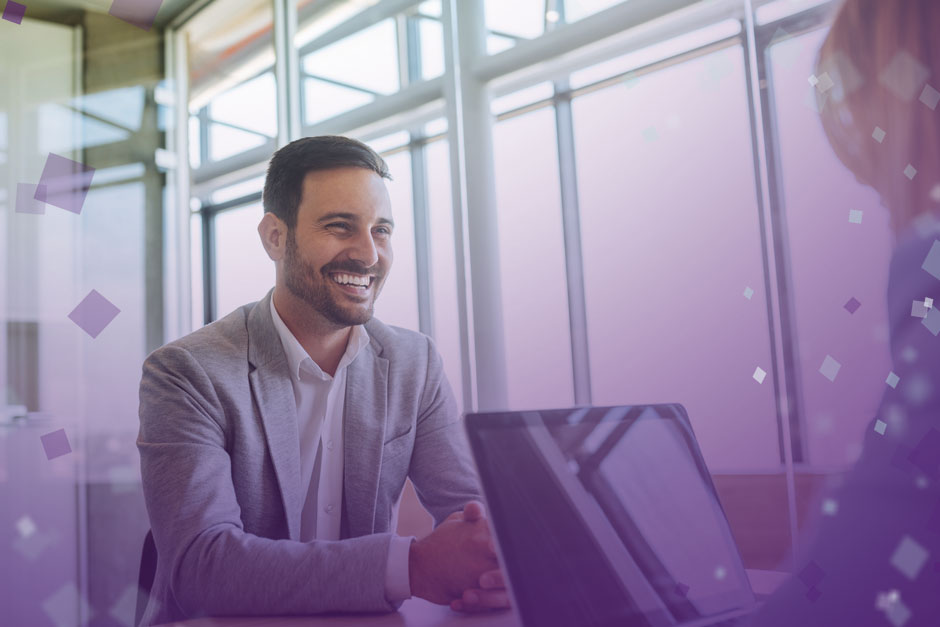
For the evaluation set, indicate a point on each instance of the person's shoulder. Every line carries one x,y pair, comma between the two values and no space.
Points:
222,342
397,342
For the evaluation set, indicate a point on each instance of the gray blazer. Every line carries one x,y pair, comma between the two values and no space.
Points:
220,461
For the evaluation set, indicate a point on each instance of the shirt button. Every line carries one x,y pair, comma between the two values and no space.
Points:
329,445
328,509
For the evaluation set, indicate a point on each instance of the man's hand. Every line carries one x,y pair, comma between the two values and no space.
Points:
453,557
490,591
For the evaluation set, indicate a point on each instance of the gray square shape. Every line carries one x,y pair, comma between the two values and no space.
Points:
830,368
932,261
930,97
909,557
932,321
904,76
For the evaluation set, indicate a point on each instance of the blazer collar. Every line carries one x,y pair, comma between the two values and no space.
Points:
269,378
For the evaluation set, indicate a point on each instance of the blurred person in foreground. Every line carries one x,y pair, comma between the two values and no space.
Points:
876,562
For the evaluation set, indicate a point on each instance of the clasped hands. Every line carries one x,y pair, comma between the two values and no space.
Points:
456,564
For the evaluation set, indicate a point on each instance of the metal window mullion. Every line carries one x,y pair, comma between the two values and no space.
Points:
773,246
286,72
209,279
574,259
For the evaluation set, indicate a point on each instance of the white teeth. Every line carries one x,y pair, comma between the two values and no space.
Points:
349,279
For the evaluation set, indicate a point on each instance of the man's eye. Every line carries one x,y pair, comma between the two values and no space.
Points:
338,225
383,230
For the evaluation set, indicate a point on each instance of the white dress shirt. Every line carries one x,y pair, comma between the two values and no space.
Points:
320,402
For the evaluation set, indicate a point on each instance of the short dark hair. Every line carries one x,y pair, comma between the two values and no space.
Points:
283,186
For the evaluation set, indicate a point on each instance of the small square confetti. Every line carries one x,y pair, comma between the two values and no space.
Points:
650,134
748,292
830,368
932,321
14,12
830,507
928,303
910,171
66,183
63,606
904,76
94,313
813,594
139,13
25,526
55,444
813,81
759,375
898,614
853,305
918,309
720,573
878,134
909,557
855,216
30,198
880,427
824,82
935,193
930,97
892,380
681,589
932,262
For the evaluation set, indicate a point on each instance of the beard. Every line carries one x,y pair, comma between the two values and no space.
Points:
310,285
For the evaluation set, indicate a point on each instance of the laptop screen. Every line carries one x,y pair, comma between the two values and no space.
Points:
607,516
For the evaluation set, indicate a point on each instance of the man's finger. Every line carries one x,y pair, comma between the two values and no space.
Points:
478,600
473,511
492,579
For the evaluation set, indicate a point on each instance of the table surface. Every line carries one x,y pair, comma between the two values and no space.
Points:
421,613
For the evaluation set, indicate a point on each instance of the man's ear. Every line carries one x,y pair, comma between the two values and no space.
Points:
273,232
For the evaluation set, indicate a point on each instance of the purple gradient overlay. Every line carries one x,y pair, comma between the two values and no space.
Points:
14,12
30,198
139,13
66,183
94,313
55,444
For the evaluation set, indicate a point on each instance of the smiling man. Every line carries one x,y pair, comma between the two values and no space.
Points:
275,442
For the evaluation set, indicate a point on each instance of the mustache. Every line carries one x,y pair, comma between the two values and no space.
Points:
353,268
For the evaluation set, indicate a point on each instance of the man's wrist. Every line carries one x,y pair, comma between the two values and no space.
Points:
415,572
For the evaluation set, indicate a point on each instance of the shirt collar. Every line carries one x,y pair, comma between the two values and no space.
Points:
297,358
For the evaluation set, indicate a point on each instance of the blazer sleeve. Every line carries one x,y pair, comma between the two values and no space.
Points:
441,468
207,562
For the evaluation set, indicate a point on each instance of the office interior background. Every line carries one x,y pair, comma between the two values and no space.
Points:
596,202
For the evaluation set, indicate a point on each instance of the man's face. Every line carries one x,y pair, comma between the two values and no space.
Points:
340,251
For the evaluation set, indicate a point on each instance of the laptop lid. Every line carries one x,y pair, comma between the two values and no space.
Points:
606,516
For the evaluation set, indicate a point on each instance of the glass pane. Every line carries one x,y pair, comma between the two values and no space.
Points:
443,264
398,303
251,105
671,242
431,33
225,141
323,100
832,261
520,18
532,260
367,60
579,9
244,272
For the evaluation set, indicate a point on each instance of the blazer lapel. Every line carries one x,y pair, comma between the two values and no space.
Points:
363,436
272,391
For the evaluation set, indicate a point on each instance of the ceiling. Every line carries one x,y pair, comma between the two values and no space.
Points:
69,11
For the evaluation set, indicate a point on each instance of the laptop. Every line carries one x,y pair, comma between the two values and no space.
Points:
608,516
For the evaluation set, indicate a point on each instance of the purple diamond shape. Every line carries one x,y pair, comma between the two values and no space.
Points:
14,12
94,313
139,13
681,589
30,198
812,594
56,444
811,575
853,305
66,183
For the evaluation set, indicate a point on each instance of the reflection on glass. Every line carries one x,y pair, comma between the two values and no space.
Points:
323,100
225,141
532,259
244,273
671,240
832,261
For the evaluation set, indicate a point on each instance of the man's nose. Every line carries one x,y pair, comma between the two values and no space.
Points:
364,250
